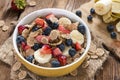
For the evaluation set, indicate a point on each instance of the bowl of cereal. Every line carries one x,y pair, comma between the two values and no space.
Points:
51,42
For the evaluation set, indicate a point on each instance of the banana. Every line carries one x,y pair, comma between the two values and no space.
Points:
102,7
66,51
76,36
42,58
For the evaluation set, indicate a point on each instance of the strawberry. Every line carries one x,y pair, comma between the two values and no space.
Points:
25,46
62,59
78,46
46,49
56,52
18,5
49,16
20,29
63,30
40,22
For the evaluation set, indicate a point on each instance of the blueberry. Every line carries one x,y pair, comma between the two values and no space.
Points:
79,13
30,58
72,52
61,47
81,28
54,25
37,46
49,22
47,31
20,39
89,17
35,28
92,11
69,42
110,28
113,35
55,63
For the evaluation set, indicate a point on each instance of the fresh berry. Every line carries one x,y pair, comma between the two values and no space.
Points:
78,46
26,47
89,17
92,11
57,52
110,28
72,52
55,63
36,46
54,25
62,59
113,35
39,37
18,5
40,22
81,28
46,49
20,39
61,47
63,30
20,29
79,13
49,22
69,42
47,31
49,16
35,28
30,58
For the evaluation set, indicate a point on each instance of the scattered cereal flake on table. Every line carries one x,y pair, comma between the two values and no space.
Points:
92,47
32,3
94,56
74,73
5,28
22,74
14,23
100,52
2,23
85,64
16,66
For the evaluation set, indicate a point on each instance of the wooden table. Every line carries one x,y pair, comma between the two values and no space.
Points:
111,68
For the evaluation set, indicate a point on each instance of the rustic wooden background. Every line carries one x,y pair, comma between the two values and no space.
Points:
111,68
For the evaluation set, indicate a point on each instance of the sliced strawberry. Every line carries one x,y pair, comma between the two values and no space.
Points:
45,25
46,49
62,59
40,22
25,46
20,29
78,46
63,30
49,16
39,37
57,52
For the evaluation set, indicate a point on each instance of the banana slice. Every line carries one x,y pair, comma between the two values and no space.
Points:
64,21
102,7
76,36
118,27
42,58
66,51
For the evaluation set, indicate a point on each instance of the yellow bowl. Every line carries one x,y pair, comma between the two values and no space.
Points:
44,71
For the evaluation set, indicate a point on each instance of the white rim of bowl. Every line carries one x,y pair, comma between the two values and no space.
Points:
56,68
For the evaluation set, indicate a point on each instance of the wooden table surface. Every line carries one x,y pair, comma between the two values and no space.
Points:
111,68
